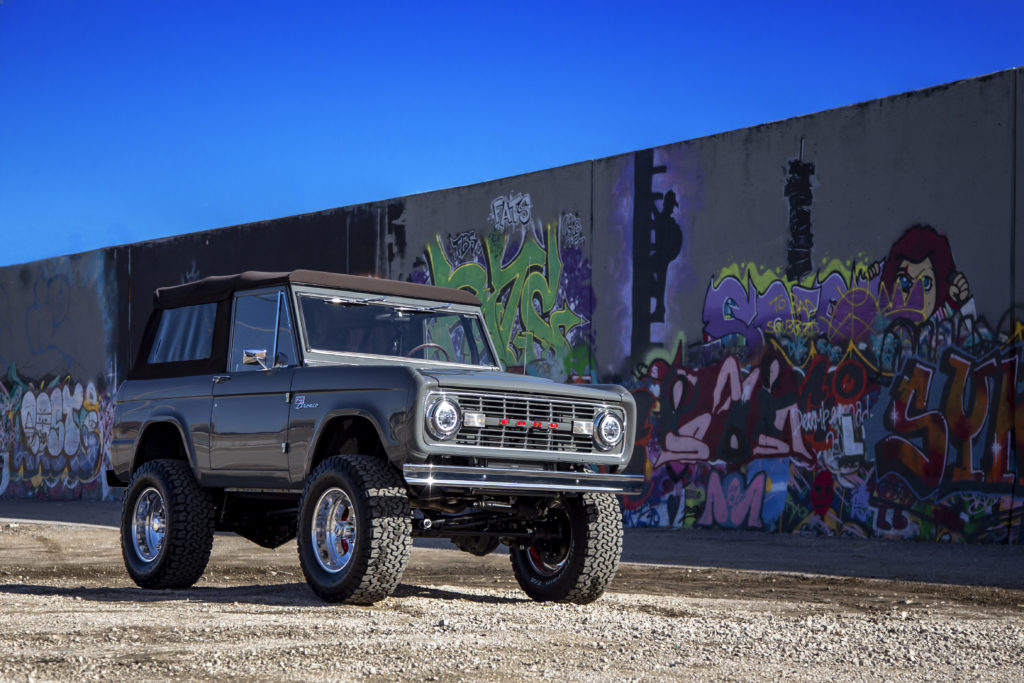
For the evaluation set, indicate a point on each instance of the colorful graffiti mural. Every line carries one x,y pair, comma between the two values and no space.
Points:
54,438
533,280
848,302
788,377
864,399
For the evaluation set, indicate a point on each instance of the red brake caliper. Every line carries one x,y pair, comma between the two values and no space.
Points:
344,541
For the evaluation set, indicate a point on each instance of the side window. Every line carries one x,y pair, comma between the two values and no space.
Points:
253,329
184,334
286,354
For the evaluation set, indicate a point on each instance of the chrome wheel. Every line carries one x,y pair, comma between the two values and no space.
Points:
333,531
354,529
149,525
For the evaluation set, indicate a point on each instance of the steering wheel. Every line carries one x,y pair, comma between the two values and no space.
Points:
428,345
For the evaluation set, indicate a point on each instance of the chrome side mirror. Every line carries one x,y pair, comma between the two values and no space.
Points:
255,357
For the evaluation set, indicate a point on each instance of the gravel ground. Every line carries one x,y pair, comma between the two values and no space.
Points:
69,611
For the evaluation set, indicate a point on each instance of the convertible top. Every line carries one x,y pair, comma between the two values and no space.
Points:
222,287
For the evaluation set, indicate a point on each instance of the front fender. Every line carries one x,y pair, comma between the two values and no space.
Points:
385,396
320,432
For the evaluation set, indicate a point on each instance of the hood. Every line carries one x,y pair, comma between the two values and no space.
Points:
490,380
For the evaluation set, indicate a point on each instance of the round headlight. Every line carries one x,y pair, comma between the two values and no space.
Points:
608,431
443,418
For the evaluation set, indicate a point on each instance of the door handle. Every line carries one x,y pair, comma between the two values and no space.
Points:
217,379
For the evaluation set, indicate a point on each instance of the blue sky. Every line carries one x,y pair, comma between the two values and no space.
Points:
129,120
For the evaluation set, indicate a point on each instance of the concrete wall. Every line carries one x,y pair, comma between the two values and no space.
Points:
59,330
804,358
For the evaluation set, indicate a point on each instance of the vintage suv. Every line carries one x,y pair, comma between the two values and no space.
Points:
356,413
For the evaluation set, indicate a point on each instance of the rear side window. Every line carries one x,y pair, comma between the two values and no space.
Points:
184,334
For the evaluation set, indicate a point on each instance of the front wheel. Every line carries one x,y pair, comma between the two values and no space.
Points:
355,529
166,526
580,554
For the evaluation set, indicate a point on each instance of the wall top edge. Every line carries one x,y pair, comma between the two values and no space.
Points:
881,101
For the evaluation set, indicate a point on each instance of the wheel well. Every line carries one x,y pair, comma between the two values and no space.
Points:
161,440
352,435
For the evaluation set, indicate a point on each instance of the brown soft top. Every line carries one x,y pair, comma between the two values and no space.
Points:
221,287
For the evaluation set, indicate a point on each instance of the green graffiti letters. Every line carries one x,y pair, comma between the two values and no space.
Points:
518,299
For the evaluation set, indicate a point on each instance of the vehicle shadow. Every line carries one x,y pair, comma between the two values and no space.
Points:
966,564
408,591
290,594
296,594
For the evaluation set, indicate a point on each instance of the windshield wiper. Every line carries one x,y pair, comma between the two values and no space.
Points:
346,300
379,299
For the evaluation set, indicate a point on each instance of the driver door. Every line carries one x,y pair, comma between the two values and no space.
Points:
251,400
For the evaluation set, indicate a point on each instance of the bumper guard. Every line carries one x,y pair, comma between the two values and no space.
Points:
438,478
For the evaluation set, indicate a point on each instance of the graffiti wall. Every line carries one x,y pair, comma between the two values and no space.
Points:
819,319
58,327
846,360
531,271
54,438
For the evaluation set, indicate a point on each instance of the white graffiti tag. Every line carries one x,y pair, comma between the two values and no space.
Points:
511,211
48,421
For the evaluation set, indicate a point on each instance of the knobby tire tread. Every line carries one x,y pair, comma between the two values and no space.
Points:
384,495
585,578
190,527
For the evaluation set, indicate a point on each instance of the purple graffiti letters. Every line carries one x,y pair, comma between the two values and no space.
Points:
733,504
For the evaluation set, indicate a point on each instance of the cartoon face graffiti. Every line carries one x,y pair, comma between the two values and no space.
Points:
921,261
910,273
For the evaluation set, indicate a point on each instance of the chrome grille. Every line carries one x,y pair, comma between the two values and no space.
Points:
528,409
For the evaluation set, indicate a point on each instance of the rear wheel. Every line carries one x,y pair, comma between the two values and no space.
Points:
355,529
580,555
166,526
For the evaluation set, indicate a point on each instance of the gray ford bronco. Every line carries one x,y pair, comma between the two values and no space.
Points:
352,414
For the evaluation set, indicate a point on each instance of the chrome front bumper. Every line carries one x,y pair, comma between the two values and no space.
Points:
426,479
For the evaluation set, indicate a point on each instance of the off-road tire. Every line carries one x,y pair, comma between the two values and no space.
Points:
188,536
383,529
588,564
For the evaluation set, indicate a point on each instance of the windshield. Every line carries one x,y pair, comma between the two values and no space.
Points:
431,331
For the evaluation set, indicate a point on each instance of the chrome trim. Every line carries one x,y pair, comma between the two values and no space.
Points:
432,427
512,480
149,525
255,357
524,395
277,327
334,532
599,437
415,362
299,290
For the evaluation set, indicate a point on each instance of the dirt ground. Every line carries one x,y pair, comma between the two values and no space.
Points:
68,611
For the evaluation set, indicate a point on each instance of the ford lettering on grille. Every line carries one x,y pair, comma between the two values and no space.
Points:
539,423
528,424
